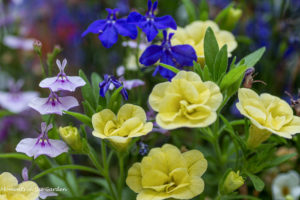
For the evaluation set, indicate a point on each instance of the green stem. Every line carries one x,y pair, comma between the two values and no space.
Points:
121,157
42,66
169,67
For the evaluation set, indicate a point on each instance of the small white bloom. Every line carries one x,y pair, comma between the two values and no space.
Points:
287,184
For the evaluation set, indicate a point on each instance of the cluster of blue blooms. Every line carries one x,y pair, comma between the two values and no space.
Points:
108,30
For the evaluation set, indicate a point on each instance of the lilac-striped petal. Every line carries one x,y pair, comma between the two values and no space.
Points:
57,84
109,36
95,27
44,106
32,147
151,55
165,22
126,29
16,102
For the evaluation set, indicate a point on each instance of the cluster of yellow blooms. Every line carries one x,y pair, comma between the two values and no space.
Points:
11,190
187,101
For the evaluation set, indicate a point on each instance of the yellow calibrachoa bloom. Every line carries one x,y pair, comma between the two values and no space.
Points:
130,122
268,114
11,190
193,34
186,101
168,173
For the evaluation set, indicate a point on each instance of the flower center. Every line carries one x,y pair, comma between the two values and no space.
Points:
53,99
285,191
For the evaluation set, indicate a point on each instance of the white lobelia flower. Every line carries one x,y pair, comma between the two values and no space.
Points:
286,185
62,81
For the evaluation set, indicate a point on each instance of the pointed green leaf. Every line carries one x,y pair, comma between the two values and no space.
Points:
203,10
206,74
221,63
211,49
251,59
87,90
96,80
233,76
190,9
257,182
81,117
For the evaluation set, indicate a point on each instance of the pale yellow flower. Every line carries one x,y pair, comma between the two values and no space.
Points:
130,122
193,34
11,190
268,114
167,173
186,101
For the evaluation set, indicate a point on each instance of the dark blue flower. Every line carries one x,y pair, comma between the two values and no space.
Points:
108,29
177,56
106,83
151,24
144,149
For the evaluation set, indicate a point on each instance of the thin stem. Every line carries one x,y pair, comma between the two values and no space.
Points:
42,66
121,157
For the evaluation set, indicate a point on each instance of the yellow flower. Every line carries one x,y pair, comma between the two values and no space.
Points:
168,173
71,136
268,114
11,190
186,101
193,34
130,122
232,182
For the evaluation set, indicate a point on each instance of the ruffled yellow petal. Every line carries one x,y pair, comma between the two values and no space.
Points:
129,111
196,162
100,119
157,95
134,178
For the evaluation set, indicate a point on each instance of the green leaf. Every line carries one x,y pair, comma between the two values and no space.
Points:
232,64
5,113
88,109
206,74
87,90
169,67
233,76
81,117
251,59
190,9
222,15
221,63
257,182
115,100
96,80
211,49
279,160
19,156
203,10
198,69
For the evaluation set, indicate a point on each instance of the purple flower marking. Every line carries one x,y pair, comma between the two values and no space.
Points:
42,145
53,104
62,81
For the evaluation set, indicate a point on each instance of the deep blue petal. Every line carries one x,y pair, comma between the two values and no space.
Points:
95,27
104,89
109,36
184,55
149,29
167,59
151,55
124,94
135,18
126,29
165,22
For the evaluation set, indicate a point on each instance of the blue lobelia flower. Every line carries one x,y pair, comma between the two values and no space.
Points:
177,56
149,23
108,83
108,29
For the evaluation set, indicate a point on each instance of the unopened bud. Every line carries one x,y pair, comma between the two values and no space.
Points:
37,47
232,182
71,136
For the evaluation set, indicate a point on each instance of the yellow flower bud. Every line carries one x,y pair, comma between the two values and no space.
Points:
232,18
232,182
71,136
